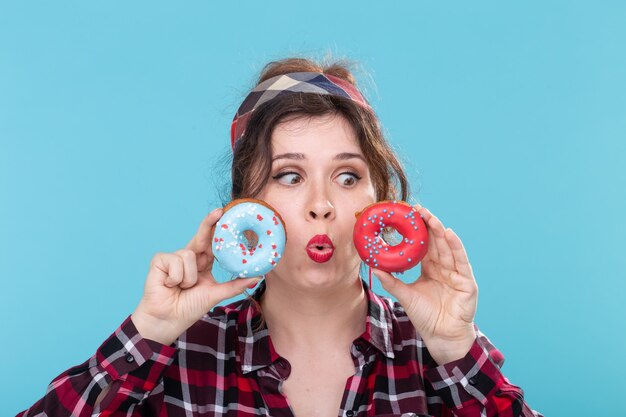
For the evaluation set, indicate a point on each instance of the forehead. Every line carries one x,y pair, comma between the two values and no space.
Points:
330,134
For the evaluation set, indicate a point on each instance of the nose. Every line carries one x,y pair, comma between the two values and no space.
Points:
320,206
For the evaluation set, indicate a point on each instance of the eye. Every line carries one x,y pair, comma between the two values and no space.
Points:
288,178
348,179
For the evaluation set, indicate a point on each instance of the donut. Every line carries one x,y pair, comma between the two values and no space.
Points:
375,251
232,248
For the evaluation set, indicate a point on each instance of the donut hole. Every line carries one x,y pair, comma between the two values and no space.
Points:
251,239
392,236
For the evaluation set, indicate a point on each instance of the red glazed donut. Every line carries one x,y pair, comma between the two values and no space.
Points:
377,253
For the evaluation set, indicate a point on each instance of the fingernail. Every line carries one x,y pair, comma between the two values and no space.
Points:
253,284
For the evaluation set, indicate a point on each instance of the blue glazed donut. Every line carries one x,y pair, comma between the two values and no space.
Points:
232,249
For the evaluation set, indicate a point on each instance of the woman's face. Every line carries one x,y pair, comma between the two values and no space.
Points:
319,180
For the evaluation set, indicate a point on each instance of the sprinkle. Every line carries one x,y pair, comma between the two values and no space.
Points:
401,253
409,259
421,242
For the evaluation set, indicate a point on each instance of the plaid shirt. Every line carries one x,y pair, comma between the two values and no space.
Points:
224,366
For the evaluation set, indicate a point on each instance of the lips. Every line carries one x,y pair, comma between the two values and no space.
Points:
320,248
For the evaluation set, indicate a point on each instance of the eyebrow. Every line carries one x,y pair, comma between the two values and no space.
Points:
300,156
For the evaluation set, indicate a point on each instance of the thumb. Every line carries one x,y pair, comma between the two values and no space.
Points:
392,285
232,288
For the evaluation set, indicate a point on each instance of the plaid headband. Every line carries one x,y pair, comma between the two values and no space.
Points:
295,82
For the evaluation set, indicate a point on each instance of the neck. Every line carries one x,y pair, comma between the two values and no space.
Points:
312,318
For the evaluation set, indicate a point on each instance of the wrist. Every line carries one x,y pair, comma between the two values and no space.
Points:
444,351
151,328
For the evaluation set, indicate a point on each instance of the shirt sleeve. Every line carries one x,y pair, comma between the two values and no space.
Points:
474,386
131,365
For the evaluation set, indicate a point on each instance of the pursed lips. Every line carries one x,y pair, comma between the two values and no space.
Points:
320,248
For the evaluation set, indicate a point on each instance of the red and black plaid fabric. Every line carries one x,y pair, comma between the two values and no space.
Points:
295,82
222,366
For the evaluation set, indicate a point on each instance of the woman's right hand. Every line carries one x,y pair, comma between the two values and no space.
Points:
180,287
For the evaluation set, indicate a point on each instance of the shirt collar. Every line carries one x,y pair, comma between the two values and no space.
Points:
255,347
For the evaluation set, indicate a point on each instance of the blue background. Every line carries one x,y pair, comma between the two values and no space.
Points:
510,117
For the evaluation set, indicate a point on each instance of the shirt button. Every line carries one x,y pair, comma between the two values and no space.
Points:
349,413
359,347
473,380
130,358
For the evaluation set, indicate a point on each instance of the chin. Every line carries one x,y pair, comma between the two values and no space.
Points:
324,276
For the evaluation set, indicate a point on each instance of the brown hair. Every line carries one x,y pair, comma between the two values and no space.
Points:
252,156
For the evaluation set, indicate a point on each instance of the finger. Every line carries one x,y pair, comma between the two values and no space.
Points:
432,253
232,288
393,286
202,261
201,242
460,255
172,267
190,268
443,249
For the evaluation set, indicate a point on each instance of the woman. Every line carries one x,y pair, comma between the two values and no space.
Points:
313,340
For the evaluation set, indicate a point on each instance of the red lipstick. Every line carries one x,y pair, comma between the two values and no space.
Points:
320,248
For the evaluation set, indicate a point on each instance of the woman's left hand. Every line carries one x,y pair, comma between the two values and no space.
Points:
441,304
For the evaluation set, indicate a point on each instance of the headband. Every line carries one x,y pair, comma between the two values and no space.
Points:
295,82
